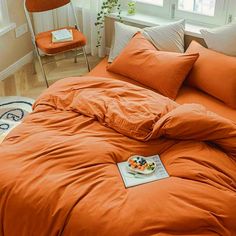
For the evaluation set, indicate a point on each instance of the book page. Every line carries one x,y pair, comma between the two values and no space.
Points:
61,34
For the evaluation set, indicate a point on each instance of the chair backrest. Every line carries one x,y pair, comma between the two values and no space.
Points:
44,5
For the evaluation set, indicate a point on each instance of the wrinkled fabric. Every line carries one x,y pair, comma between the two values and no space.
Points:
58,173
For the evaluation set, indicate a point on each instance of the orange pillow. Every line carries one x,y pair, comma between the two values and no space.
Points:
162,71
214,73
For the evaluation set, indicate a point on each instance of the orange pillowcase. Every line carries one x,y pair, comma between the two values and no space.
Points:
162,71
214,73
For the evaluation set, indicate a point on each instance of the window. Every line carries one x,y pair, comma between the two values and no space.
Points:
204,7
213,12
204,11
153,2
153,7
5,24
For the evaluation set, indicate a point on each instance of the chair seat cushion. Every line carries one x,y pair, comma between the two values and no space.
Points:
44,42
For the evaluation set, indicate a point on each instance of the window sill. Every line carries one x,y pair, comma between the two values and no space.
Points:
149,3
7,28
149,20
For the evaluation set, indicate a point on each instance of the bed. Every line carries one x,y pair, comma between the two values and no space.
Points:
58,172
186,94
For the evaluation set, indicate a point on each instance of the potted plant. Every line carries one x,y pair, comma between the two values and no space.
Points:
132,7
108,7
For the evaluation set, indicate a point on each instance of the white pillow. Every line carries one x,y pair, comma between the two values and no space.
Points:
221,39
165,38
168,38
122,35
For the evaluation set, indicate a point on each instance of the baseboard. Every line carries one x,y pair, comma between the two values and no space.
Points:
16,66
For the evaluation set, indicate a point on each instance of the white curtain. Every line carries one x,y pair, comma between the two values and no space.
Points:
86,11
49,20
90,9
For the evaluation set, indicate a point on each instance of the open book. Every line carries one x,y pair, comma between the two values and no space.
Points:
132,179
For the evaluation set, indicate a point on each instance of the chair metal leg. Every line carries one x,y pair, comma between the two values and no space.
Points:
86,59
42,69
34,62
76,55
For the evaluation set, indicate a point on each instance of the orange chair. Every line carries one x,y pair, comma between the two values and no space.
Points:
43,41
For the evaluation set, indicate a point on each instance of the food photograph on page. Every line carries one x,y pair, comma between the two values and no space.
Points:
117,117
140,170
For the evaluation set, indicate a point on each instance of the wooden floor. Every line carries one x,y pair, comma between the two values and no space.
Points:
27,83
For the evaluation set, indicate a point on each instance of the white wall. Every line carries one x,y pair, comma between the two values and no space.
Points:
11,48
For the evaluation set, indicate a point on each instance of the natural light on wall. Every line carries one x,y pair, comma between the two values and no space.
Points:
1,18
203,7
1,15
4,19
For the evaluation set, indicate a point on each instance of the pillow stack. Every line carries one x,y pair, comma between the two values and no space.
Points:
152,56
221,39
165,38
160,70
122,35
214,73
155,57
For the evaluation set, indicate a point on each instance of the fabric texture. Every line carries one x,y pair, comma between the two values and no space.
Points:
214,73
44,5
221,39
168,37
162,71
186,94
45,44
122,35
62,178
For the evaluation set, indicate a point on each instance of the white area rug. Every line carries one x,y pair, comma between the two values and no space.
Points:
12,111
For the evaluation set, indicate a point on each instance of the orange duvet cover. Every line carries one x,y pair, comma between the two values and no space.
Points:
58,172
186,94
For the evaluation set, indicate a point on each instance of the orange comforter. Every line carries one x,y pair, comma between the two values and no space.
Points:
58,173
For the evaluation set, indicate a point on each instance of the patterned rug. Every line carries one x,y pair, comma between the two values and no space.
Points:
12,111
